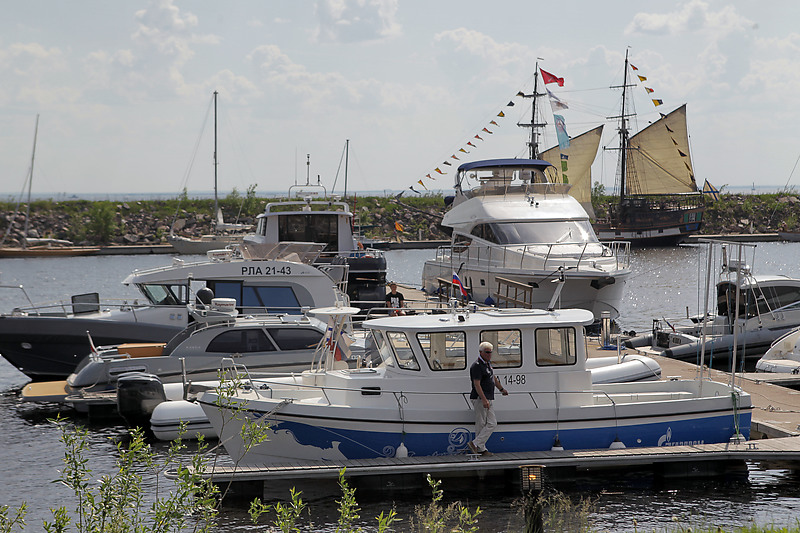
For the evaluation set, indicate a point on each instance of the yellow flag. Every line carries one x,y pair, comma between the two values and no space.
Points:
398,226
423,185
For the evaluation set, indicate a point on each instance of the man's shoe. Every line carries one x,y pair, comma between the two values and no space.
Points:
473,448
486,453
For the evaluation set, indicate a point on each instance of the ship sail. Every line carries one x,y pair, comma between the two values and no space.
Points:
580,156
658,158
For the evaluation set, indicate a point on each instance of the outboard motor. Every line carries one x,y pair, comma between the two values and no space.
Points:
138,393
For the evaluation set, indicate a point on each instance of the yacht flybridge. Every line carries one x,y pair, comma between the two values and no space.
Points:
516,233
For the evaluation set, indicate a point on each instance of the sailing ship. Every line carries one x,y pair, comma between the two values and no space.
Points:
35,247
225,234
659,202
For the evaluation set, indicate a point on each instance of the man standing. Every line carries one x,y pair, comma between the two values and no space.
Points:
483,381
395,301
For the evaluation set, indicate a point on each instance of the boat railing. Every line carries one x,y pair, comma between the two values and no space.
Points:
62,308
580,256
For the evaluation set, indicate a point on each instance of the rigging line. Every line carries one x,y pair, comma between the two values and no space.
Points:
341,160
189,167
785,188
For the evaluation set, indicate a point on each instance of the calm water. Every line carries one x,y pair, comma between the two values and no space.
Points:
664,283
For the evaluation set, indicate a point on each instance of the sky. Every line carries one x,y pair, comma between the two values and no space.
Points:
123,89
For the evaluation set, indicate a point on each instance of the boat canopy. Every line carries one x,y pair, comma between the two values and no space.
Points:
505,163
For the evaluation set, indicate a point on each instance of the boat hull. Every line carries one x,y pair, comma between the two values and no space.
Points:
50,348
648,224
596,293
303,432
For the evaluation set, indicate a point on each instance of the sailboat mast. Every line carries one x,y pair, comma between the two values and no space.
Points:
216,201
30,182
623,134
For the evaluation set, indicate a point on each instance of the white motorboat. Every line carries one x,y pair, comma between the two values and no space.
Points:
309,214
412,396
517,232
282,280
265,343
783,355
769,307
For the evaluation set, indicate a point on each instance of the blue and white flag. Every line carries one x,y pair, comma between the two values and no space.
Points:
561,132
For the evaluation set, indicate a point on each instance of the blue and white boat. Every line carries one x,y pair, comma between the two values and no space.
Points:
411,395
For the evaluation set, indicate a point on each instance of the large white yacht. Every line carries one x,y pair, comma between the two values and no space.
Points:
516,233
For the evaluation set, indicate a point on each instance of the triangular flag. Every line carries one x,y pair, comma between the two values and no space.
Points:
510,104
657,102
423,185
469,143
454,157
501,114
521,94
634,68
493,122
551,78
462,150
648,89
428,176
479,137
447,163
641,78
711,190
439,171
487,131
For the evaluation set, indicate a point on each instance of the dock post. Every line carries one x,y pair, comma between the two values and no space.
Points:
531,479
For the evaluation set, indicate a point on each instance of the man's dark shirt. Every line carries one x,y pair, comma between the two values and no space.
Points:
394,300
483,371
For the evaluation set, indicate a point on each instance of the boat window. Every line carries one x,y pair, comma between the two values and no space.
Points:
291,338
446,350
240,341
569,231
507,347
485,232
271,299
778,297
555,346
402,350
165,294
227,289
318,227
377,351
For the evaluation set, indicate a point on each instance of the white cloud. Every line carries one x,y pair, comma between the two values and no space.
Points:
348,21
691,16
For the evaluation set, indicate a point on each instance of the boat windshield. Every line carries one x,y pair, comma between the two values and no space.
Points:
567,231
381,351
159,294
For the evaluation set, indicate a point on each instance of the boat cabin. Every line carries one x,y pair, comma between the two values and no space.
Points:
759,295
526,342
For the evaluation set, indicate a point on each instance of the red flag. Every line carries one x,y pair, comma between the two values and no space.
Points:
634,68
551,78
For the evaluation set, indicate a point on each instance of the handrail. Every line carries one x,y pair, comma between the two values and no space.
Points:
582,255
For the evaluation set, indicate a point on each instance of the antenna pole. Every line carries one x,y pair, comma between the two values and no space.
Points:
346,160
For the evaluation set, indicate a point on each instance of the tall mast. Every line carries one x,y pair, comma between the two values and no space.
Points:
216,202
30,182
623,134
533,143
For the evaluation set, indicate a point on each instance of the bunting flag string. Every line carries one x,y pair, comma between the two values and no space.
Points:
557,105
550,78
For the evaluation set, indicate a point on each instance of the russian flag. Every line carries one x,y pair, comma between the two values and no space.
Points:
457,283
